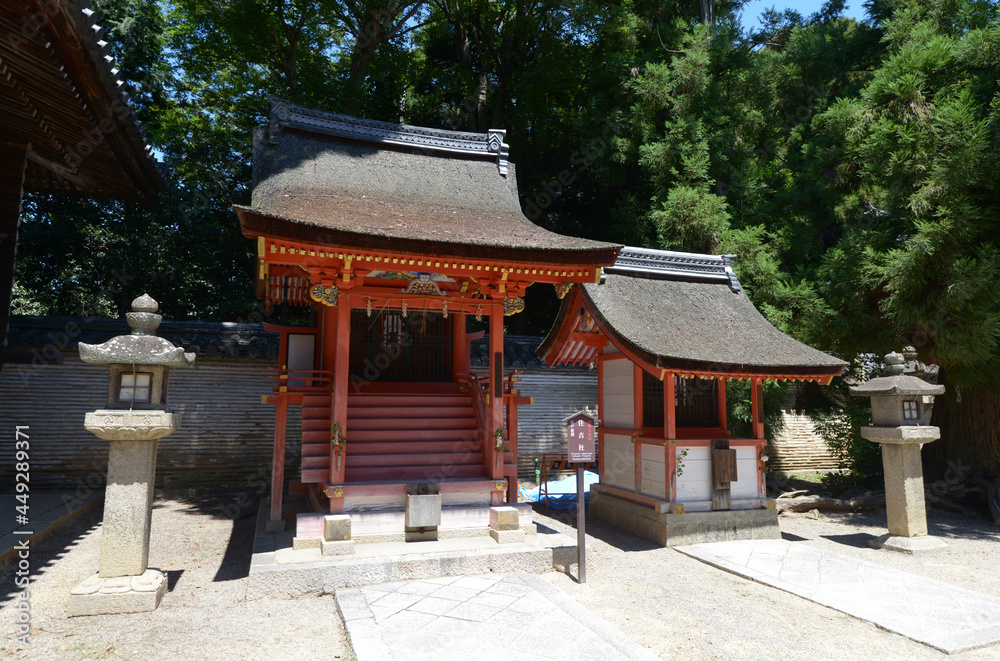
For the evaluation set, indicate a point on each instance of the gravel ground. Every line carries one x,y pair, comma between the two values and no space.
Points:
681,608
206,556
672,604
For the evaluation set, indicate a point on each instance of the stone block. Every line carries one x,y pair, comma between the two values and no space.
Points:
341,547
120,594
904,490
337,528
302,543
507,536
423,511
504,518
274,526
909,545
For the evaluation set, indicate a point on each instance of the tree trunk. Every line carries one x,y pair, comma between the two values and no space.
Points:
969,419
370,36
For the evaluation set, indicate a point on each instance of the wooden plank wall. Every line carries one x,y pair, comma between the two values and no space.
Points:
226,434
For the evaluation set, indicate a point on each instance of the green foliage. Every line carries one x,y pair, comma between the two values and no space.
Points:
739,410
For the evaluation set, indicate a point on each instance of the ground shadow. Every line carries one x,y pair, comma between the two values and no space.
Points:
789,537
614,536
173,575
859,540
46,553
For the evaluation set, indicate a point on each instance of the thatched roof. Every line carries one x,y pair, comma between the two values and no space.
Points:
338,180
689,315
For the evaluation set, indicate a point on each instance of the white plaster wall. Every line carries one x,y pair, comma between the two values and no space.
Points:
619,461
619,406
695,480
745,485
654,471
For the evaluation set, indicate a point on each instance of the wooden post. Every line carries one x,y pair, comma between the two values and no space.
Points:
600,420
756,407
637,412
722,405
669,407
512,441
278,460
581,525
341,373
460,347
13,158
495,405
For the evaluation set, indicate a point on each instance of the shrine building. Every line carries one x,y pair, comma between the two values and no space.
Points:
395,236
667,331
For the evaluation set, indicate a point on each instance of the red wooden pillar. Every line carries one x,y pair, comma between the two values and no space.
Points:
460,347
600,420
512,443
722,405
756,406
341,383
495,405
278,460
669,407
13,158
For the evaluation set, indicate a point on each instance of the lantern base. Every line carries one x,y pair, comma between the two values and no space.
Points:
121,594
909,545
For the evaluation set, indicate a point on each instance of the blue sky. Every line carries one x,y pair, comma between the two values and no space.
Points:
753,9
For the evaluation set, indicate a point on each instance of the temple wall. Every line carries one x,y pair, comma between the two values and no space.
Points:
226,435
654,471
619,461
799,448
619,405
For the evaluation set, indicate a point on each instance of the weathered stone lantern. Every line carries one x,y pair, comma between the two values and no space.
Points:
897,411
135,417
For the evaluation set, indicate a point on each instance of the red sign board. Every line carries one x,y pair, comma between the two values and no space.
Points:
580,438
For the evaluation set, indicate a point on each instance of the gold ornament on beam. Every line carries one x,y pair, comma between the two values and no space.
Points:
562,288
512,306
325,295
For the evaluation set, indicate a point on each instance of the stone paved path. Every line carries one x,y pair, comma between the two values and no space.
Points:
948,618
492,616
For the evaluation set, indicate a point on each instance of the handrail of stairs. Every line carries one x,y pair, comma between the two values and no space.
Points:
301,380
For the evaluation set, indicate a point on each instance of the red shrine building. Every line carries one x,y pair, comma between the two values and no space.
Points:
666,331
395,235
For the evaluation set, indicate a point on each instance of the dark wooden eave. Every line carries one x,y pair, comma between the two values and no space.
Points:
61,98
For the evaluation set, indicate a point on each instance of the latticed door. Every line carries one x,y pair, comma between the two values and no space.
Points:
388,346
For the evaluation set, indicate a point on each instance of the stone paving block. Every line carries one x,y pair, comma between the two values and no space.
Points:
943,616
504,518
471,611
435,605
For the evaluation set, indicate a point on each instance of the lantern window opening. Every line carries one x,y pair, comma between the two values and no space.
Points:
135,387
911,410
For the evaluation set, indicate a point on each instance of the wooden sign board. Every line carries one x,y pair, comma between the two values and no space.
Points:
580,437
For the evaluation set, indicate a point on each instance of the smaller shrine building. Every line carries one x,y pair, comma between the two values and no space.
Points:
666,331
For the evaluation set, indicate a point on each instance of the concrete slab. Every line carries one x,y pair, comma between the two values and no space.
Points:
490,616
945,617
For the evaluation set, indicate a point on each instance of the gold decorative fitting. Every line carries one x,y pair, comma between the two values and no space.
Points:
512,306
325,295
562,288
338,492
500,486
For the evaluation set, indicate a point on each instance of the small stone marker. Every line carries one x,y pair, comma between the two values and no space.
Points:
897,413
135,417
505,526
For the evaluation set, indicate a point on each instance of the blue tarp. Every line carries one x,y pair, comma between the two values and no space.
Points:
562,493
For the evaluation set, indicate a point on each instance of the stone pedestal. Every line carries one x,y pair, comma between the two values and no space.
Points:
122,594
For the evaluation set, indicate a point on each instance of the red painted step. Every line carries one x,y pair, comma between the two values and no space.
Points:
396,401
411,423
411,460
420,473
408,412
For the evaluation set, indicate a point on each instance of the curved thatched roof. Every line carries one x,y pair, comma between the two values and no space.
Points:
333,179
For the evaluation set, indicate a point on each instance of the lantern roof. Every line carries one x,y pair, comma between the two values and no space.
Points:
142,346
896,383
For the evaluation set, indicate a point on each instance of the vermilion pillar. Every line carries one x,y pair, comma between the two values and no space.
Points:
495,406
341,374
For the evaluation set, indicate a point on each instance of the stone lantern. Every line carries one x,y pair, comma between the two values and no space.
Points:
135,417
897,412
